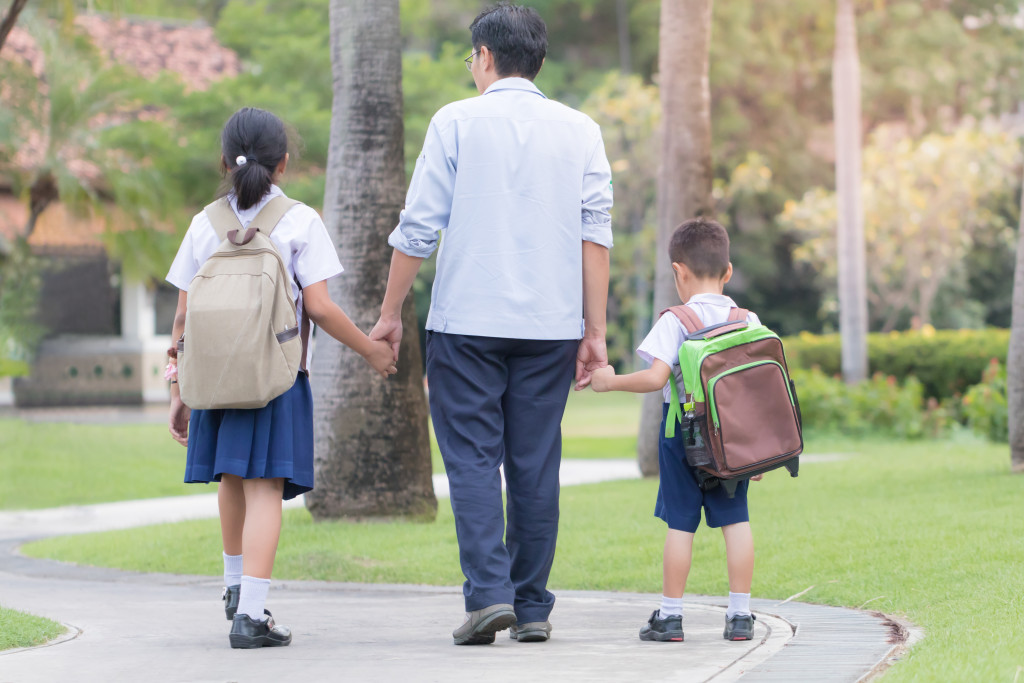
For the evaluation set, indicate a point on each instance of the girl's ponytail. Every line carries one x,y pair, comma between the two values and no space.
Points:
253,143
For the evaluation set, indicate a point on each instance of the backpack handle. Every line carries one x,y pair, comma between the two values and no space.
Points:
705,333
694,325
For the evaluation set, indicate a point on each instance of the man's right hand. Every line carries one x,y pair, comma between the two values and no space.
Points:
388,328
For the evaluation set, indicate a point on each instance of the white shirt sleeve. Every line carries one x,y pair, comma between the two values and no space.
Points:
663,341
428,204
185,266
597,197
314,257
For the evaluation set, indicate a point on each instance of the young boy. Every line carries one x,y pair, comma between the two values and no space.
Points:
699,250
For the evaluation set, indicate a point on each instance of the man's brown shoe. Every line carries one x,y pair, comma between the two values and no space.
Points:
482,624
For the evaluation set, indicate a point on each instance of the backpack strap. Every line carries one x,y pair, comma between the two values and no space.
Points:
227,226
222,218
686,316
736,314
271,214
692,323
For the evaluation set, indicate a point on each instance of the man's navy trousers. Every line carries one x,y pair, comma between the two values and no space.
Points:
496,402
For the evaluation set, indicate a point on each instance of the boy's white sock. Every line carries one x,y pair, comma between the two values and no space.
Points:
739,603
232,570
670,607
253,597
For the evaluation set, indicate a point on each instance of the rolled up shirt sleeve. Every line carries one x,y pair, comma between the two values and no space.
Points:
597,197
428,204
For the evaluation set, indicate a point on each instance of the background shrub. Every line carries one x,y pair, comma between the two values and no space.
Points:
878,406
945,362
984,405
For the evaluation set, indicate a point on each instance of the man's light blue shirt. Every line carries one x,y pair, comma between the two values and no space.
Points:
517,183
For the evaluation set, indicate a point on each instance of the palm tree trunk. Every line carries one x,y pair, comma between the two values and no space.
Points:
1015,358
853,308
684,184
371,436
10,19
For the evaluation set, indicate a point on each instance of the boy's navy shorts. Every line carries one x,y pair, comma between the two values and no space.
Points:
680,498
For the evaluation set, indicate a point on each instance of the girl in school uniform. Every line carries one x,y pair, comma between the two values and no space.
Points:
260,456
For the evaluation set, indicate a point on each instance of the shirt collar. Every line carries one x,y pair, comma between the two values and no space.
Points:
713,299
514,83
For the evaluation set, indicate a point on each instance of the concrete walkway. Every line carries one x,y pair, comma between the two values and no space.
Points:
125,626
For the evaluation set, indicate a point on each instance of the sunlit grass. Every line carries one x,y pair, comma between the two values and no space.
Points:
931,531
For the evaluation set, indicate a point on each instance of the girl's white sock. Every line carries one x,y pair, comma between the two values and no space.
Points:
739,603
253,597
232,569
670,607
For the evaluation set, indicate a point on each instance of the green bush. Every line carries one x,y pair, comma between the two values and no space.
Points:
945,362
878,406
984,406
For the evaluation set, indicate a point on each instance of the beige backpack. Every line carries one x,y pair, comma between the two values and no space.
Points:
242,345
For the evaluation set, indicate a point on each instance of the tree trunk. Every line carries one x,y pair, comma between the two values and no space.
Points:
625,49
371,436
1015,357
684,183
853,307
10,19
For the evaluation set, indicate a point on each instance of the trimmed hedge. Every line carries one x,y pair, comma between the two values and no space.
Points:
946,362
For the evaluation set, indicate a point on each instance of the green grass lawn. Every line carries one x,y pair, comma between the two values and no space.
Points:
51,464
18,629
928,530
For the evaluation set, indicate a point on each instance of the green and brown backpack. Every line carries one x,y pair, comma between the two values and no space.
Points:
740,415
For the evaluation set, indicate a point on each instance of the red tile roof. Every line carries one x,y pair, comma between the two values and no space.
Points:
149,46
56,228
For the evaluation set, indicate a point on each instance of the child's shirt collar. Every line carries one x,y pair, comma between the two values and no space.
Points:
712,299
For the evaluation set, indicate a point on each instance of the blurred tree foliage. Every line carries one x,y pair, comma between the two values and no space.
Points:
927,66
928,205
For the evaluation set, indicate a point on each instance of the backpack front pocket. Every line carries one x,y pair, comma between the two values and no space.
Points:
753,415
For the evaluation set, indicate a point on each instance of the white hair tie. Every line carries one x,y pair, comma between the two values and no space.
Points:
240,160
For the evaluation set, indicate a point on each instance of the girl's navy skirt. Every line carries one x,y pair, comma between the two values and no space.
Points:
262,443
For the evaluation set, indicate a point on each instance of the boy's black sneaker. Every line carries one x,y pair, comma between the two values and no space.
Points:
740,627
230,598
669,629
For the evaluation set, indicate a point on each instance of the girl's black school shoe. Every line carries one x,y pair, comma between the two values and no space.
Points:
740,627
230,598
669,629
247,633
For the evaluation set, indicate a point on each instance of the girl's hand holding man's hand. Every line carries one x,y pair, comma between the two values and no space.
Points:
381,358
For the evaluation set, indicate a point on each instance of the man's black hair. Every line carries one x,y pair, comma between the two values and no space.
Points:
515,35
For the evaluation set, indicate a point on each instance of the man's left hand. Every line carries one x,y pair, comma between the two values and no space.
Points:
390,330
592,354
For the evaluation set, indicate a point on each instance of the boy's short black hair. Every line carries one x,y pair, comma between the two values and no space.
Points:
517,37
702,245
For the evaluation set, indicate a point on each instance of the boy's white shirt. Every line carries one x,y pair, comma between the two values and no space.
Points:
668,334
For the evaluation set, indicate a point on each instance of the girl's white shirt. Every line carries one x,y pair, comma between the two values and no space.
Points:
301,238
668,334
